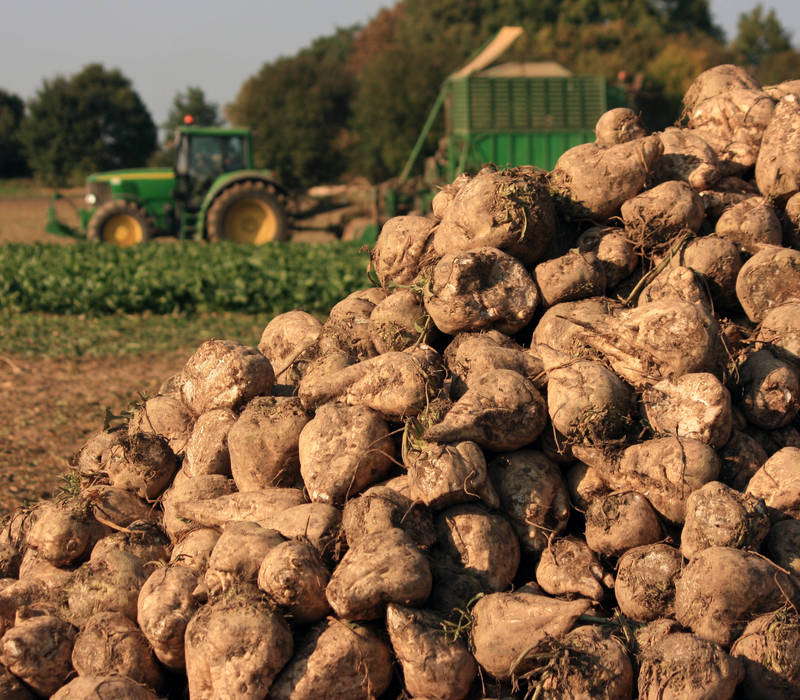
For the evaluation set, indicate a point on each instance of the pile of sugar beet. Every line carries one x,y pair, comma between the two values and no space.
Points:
552,453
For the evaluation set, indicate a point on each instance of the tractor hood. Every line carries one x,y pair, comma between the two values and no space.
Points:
150,188
116,177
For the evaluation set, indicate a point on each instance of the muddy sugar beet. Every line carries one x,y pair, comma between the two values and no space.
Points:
553,452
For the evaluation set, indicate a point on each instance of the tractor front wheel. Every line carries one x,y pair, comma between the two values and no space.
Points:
120,222
247,212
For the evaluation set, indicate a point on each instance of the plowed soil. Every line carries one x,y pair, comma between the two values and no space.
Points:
48,407
23,218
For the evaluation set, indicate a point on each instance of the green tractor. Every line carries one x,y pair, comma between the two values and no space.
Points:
212,193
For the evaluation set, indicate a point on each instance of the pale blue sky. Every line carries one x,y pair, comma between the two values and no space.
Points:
165,45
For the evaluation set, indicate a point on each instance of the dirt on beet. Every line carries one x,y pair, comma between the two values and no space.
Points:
38,435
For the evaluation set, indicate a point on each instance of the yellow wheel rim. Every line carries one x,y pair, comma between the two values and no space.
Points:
123,230
250,221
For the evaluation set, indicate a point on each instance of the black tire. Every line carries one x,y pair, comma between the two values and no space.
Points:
120,222
247,212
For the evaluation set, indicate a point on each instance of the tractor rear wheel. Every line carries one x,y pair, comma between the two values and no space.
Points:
120,222
247,212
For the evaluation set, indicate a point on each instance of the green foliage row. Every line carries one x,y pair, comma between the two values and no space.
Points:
184,277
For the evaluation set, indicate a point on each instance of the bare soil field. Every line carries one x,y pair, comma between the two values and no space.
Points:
49,406
23,216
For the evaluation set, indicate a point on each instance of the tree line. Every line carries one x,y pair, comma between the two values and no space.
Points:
353,102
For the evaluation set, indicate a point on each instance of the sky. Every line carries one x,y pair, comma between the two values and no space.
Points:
164,46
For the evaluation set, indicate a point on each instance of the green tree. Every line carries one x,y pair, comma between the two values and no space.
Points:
691,16
12,158
192,101
760,35
299,108
396,89
765,47
389,108
777,67
93,120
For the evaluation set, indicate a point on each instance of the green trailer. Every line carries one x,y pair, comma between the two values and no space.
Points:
512,114
521,120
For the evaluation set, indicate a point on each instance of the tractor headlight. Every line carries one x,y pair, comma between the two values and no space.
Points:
90,199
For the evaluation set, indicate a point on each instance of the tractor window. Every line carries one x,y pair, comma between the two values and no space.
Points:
205,156
234,153
211,155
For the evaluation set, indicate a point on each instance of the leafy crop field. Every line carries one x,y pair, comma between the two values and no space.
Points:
178,277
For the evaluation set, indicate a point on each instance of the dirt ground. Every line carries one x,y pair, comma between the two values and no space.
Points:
23,218
48,407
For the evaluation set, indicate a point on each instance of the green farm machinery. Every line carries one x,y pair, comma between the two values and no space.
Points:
510,114
507,115
213,192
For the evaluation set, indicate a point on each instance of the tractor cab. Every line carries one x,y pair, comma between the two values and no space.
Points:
202,154
206,152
